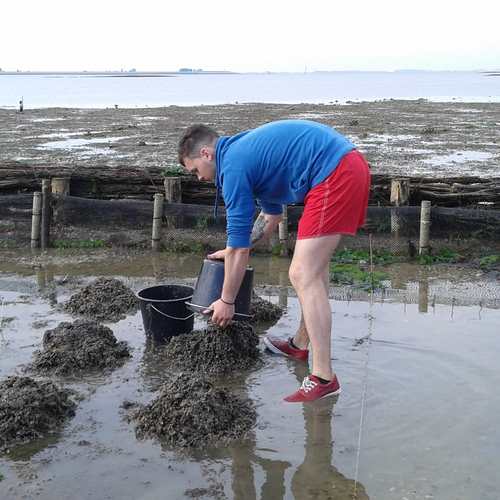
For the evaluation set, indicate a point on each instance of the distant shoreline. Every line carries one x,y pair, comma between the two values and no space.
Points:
132,73
115,73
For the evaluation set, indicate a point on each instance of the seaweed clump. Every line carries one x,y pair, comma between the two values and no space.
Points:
263,310
215,350
80,345
191,412
30,409
104,299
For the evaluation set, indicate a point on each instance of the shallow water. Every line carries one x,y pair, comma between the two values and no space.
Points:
113,90
424,389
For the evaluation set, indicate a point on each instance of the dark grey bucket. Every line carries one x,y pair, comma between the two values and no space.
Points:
209,289
164,311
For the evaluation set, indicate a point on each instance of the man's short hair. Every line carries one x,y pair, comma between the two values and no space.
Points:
194,139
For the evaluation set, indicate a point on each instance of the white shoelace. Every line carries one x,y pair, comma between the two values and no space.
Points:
308,384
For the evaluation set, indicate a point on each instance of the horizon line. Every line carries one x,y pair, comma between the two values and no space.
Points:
201,71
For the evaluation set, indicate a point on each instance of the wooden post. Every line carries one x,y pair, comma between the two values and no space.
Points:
283,233
36,220
173,194
425,223
400,191
60,186
46,214
157,218
400,194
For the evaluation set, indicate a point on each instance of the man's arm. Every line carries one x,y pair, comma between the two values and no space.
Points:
263,227
235,265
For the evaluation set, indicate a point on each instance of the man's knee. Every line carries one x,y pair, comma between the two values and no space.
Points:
297,276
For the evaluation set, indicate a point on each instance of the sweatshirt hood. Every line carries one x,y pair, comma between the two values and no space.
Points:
221,141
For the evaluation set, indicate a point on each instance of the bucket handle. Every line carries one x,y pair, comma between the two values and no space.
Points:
166,315
203,308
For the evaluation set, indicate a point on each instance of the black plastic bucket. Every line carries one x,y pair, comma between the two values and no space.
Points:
209,289
164,311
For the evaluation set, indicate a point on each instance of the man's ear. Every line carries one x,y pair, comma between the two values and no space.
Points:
207,153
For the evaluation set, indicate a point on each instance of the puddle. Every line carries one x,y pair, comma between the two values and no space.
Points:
64,133
425,388
393,138
461,157
42,120
79,144
149,118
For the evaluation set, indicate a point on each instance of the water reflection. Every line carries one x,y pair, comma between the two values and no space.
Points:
44,279
316,478
243,471
423,296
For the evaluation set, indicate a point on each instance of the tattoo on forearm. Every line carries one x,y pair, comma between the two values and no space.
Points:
258,229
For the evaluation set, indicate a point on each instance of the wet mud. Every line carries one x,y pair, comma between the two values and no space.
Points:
398,137
31,409
191,411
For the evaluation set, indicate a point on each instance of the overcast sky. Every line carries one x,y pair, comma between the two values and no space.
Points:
257,35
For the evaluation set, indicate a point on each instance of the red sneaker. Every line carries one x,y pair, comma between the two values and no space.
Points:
311,390
284,347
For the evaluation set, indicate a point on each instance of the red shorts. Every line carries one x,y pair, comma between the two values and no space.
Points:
338,204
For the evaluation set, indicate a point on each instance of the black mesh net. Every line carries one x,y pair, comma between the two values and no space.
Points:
187,227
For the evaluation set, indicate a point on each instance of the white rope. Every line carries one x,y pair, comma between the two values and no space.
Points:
368,338
363,394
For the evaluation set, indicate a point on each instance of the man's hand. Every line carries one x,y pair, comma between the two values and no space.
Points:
220,255
223,313
235,265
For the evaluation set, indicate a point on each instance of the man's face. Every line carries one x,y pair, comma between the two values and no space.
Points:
203,167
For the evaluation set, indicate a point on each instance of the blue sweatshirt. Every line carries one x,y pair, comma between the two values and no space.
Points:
277,164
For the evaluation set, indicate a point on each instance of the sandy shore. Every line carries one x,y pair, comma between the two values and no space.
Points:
399,138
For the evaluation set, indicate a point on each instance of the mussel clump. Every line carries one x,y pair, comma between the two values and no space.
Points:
29,409
80,345
104,299
191,412
264,310
215,350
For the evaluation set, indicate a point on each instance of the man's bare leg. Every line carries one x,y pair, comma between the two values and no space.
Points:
308,273
301,337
